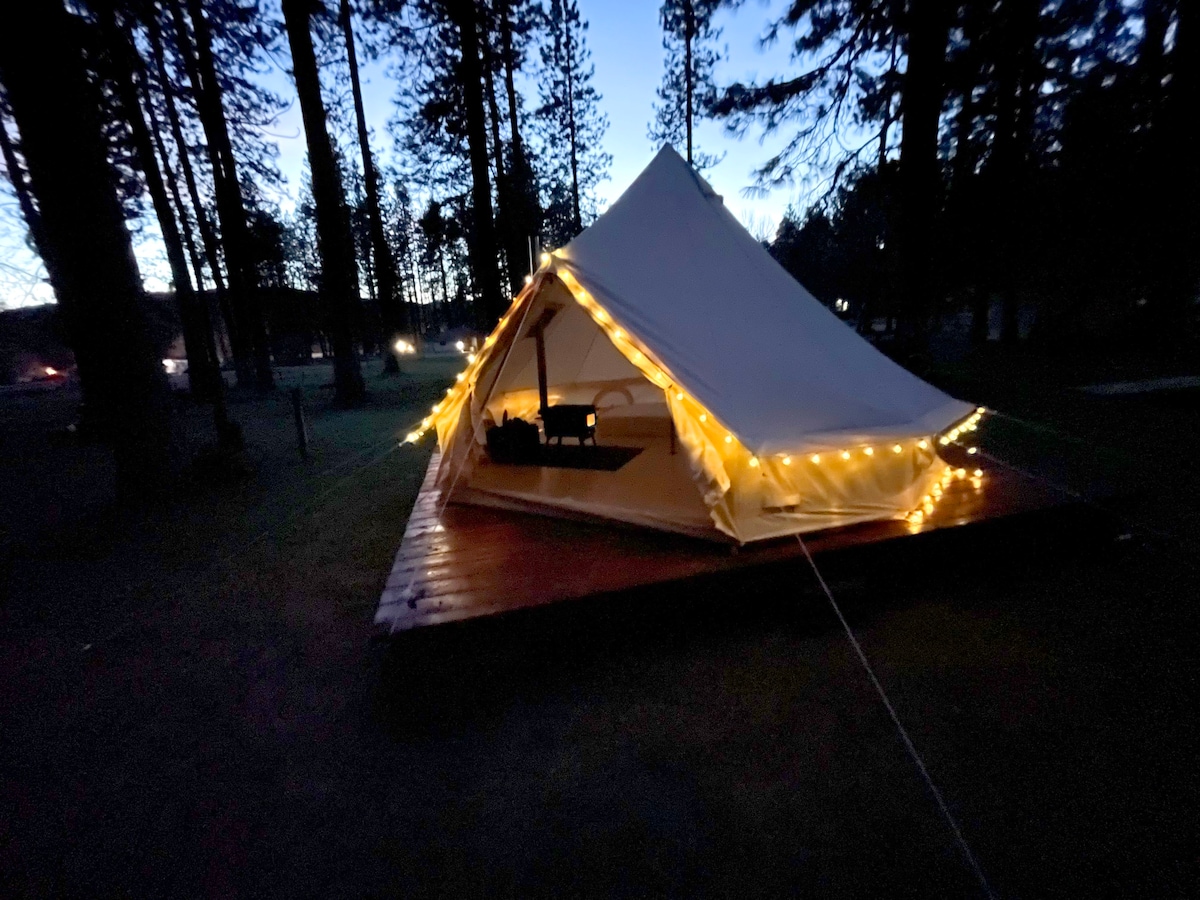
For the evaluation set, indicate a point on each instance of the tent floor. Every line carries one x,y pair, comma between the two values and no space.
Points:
476,561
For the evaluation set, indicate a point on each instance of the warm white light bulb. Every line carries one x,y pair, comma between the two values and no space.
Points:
754,462
787,460
845,454
971,451
545,259
703,417
815,459
412,437
528,279
923,445
729,438
979,473
679,395
896,448
870,451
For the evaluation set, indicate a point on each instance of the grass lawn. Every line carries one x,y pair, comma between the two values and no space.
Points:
191,706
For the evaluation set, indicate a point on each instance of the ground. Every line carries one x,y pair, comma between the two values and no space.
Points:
192,706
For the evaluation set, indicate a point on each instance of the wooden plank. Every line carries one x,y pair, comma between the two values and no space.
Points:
465,562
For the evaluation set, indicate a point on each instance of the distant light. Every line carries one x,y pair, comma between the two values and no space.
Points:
787,460
545,259
471,357
815,459
924,445
411,438
460,346
870,451
679,395
845,454
896,448
729,438
528,279
460,376
754,462
979,473
703,417
50,370
971,451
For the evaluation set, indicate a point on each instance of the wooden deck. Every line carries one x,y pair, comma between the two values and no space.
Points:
474,561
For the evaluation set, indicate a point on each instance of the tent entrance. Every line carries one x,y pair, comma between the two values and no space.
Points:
634,473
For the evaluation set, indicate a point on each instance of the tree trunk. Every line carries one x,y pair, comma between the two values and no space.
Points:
253,358
334,240
202,374
921,105
525,213
1175,177
16,177
482,243
1014,118
689,32
569,56
392,311
510,236
89,254
208,238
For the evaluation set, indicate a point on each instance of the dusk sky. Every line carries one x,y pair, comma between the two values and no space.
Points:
626,46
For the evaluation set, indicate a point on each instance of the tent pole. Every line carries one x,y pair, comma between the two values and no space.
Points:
543,389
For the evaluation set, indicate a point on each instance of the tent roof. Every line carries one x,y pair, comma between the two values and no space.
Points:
673,266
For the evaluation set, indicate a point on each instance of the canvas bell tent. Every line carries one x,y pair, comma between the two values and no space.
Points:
728,402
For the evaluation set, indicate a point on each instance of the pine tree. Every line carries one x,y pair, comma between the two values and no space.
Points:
687,90
58,114
338,280
571,126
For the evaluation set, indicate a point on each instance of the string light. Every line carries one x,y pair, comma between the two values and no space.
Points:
545,259
679,395
971,451
979,473
787,460
815,459
703,417
729,438
960,473
923,445
896,448
754,462
870,451
471,357
845,454
411,438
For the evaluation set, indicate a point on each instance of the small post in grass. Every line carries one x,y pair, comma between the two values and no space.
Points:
301,426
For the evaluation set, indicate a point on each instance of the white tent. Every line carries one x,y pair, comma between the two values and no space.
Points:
756,411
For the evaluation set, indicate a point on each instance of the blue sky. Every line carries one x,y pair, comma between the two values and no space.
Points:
626,47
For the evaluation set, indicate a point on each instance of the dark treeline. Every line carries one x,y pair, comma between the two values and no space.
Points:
166,120
1011,155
